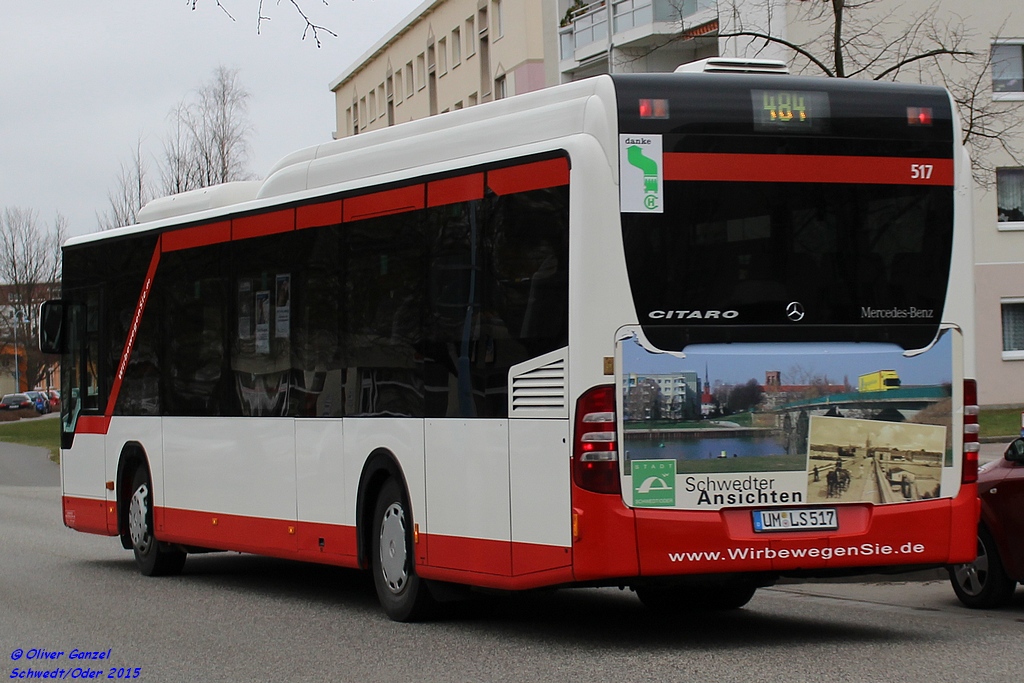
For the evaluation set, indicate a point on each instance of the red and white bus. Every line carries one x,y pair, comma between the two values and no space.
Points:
499,348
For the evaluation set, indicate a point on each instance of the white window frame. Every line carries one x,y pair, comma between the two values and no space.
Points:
1015,354
421,71
470,37
1015,95
456,46
496,19
1007,226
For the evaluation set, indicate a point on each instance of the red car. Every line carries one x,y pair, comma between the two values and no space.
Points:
991,579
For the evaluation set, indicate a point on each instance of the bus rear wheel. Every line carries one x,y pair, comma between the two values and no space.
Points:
152,557
403,595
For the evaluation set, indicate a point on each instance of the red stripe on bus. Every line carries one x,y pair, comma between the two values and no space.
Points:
464,188
89,515
318,215
92,424
551,577
478,555
536,176
133,331
805,168
481,562
384,203
529,558
198,236
263,224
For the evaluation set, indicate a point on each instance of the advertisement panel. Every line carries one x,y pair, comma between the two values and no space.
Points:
730,425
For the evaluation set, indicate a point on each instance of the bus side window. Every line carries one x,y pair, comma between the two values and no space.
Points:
91,355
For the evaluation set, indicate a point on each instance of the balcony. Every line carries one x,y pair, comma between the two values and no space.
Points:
584,33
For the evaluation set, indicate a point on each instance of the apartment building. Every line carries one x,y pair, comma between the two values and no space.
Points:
445,55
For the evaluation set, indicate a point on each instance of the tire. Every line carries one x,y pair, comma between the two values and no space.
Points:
710,598
403,595
982,584
152,557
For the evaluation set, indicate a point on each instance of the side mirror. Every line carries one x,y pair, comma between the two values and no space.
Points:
51,327
1015,451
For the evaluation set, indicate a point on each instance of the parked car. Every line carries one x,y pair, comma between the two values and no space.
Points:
54,398
991,579
40,400
16,402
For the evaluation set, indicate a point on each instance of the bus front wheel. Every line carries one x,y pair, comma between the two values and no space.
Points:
153,557
403,595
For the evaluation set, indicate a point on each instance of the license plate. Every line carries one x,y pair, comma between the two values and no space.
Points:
795,520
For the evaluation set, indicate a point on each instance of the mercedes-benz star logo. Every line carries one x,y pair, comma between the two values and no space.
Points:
795,311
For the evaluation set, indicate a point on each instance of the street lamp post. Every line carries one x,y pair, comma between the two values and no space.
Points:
17,363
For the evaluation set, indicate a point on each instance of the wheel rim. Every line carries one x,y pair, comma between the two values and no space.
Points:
138,526
393,565
972,577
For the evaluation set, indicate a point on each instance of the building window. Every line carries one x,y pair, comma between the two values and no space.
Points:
1013,329
409,89
500,88
472,100
399,93
496,18
1010,195
421,71
363,110
470,38
1008,71
371,113
456,47
442,56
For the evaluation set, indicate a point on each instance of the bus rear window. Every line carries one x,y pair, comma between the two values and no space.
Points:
811,261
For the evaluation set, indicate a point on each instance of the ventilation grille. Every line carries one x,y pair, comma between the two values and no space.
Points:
732,65
540,390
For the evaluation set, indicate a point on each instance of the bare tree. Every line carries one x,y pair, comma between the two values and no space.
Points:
855,39
869,39
30,261
131,192
312,29
209,143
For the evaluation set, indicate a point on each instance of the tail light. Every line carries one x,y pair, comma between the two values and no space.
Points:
971,429
595,450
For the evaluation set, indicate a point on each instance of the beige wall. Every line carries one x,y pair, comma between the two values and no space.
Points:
446,76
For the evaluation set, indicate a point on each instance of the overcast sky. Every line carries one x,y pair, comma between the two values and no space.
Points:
81,81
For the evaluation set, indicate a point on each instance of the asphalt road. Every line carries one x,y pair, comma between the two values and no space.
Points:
232,617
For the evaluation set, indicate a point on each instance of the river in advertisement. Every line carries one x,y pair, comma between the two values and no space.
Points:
697,447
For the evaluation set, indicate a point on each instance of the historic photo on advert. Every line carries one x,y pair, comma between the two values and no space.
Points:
871,461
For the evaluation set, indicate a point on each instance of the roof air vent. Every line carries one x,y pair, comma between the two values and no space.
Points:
721,65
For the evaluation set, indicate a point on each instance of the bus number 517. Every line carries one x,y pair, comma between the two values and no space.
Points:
921,171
